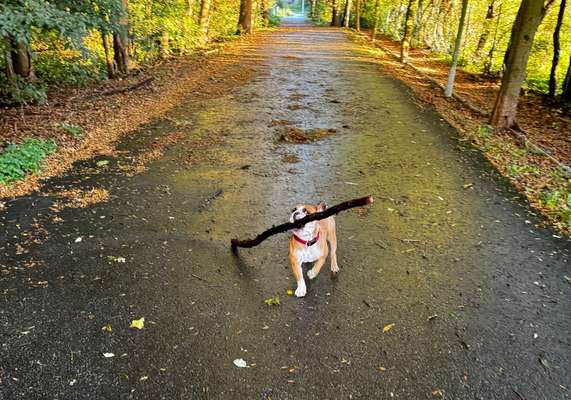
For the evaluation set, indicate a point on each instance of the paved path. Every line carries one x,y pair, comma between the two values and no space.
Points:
449,254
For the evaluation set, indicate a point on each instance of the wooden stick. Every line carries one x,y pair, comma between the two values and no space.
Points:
363,201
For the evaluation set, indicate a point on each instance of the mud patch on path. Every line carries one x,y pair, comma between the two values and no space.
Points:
296,135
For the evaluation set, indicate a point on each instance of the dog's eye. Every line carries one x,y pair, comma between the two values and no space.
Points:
294,210
304,210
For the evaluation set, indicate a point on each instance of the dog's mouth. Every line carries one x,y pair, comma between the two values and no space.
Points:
297,215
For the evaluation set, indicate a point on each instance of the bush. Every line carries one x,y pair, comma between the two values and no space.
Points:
18,160
17,90
72,69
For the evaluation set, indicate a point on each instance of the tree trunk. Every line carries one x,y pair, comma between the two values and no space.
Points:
489,63
414,39
452,72
408,25
347,16
245,20
265,13
19,61
376,16
358,16
556,50
203,20
108,59
165,49
485,31
121,41
529,17
334,12
566,89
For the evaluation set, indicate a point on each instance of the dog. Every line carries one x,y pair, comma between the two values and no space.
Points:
309,244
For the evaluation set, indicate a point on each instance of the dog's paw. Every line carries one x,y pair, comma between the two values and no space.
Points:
311,274
301,290
334,271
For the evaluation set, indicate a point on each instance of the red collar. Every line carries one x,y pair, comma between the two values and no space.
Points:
306,242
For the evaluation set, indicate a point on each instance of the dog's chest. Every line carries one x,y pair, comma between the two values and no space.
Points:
308,254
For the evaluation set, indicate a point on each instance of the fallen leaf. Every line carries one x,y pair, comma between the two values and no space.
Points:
108,355
107,328
138,323
273,301
437,392
388,327
290,292
79,239
382,369
143,378
240,363
544,362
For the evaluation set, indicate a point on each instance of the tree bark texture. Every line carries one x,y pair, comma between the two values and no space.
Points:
347,15
452,72
121,41
556,50
408,25
204,20
245,19
529,17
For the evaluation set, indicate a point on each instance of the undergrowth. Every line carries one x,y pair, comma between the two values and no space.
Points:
17,160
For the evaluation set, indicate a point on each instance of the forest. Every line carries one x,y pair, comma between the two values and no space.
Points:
78,42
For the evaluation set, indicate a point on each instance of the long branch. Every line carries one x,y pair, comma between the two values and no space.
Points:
363,201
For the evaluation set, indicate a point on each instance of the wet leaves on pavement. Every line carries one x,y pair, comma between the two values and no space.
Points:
388,328
138,323
240,363
273,301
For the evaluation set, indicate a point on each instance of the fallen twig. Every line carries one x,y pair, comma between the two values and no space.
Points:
363,201
127,88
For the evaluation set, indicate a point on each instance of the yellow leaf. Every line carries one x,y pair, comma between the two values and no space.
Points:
290,292
138,323
108,328
382,369
388,327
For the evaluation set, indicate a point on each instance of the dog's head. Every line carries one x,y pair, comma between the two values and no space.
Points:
302,210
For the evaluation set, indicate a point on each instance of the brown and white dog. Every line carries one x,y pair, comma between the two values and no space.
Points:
309,244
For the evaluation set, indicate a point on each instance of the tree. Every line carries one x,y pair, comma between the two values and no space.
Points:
204,20
556,50
358,16
334,13
566,88
530,14
347,16
121,39
452,72
19,18
408,25
485,31
245,19
19,60
376,19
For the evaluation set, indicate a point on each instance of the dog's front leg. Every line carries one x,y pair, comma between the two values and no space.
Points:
298,274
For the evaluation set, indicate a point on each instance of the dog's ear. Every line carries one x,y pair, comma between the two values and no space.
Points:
321,206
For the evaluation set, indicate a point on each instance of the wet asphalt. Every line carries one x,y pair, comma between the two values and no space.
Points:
449,253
